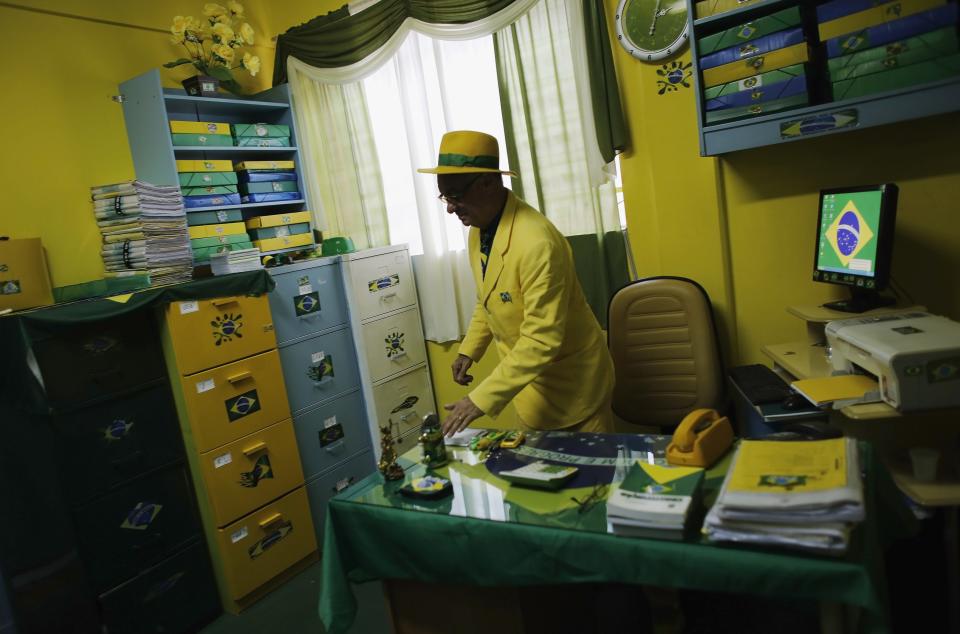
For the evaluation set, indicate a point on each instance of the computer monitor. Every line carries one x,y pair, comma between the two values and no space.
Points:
855,243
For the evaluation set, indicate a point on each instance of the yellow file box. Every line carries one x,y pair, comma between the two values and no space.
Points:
877,15
214,231
203,166
231,401
285,242
265,543
265,165
244,475
199,127
211,332
278,219
796,54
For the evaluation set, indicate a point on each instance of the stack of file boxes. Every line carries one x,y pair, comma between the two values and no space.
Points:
267,181
206,183
755,68
260,135
220,191
874,48
280,231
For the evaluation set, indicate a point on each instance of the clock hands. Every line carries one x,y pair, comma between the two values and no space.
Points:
657,13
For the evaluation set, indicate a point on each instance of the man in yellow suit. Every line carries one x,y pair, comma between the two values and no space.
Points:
554,363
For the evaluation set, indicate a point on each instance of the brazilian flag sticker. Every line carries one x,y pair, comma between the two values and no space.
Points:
240,406
330,435
306,304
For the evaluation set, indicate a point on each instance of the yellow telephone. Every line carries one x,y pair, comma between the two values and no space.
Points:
700,439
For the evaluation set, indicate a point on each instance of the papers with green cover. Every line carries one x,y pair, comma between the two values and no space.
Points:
655,496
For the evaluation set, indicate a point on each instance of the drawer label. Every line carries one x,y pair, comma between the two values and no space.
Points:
262,470
189,307
306,303
222,461
238,535
242,405
332,432
395,342
322,368
303,285
205,386
270,539
377,285
141,516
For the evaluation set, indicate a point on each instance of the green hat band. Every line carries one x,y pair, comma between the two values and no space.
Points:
462,160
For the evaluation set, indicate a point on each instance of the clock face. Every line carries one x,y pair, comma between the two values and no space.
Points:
652,29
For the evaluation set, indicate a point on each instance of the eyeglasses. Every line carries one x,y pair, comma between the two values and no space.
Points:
457,198
598,493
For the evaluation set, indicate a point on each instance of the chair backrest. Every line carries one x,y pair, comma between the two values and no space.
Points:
663,340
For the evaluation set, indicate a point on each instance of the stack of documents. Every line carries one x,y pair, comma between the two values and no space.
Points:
655,500
235,261
144,229
800,494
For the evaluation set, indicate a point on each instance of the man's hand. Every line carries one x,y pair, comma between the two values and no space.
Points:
460,366
461,414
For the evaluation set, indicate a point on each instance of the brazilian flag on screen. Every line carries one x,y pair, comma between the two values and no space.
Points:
850,234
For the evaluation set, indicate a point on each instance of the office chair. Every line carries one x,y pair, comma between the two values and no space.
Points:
666,357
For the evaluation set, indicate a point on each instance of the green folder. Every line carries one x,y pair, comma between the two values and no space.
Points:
207,179
779,21
897,78
749,83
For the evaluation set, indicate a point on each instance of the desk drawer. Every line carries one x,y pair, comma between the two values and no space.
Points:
319,368
99,359
227,403
307,301
404,401
339,479
126,532
105,445
263,544
393,344
177,595
382,283
211,332
329,433
248,473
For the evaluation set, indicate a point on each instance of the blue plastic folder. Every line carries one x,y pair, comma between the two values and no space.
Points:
893,31
839,8
270,197
211,201
265,176
760,94
758,46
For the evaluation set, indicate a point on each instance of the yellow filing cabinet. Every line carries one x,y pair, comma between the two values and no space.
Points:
235,418
267,542
232,400
212,332
248,473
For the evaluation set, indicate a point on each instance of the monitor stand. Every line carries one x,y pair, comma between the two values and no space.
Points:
861,300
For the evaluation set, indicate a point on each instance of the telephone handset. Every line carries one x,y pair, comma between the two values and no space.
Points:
700,439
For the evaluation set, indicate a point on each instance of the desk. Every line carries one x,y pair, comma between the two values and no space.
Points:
489,533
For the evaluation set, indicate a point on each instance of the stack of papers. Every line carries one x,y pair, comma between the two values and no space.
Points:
655,500
235,261
840,391
799,494
144,230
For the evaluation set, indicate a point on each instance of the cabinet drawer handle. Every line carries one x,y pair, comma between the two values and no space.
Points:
243,376
389,295
218,303
249,451
273,519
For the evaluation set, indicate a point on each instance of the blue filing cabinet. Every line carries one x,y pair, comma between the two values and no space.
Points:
321,373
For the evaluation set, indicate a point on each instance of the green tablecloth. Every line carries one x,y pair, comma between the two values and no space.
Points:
370,535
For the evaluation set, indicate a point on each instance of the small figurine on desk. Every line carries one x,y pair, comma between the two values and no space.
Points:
431,439
388,455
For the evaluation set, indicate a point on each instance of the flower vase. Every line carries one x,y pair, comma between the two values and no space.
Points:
201,86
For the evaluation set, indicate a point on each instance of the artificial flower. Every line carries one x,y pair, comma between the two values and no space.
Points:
224,52
251,63
222,33
246,32
236,9
215,11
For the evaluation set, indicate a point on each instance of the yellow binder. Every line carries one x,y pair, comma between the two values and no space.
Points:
796,54
874,16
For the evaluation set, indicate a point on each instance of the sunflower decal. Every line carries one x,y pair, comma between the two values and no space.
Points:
394,343
226,327
672,76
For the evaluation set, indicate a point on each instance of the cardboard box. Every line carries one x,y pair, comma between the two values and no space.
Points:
195,165
207,179
887,32
898,78
755,81
796,54
779,21
199,127
759,46
939,43
213,231
275,220
24,277
875,15
287,242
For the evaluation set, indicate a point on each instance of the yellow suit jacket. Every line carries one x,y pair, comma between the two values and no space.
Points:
554,362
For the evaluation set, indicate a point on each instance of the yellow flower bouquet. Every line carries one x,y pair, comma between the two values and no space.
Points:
212,45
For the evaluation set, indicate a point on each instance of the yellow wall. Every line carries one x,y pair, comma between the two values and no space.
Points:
743,225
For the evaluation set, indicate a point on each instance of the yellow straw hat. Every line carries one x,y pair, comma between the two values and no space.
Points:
467,152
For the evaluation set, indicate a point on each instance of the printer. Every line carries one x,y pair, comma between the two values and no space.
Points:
914,356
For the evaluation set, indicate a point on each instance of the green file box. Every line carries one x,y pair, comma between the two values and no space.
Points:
269,186
727,114
766,25
749,83
197,243
897,78
214,217
210,190
209,140
936,44
207,179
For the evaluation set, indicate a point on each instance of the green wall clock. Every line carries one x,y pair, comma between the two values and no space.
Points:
651,30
